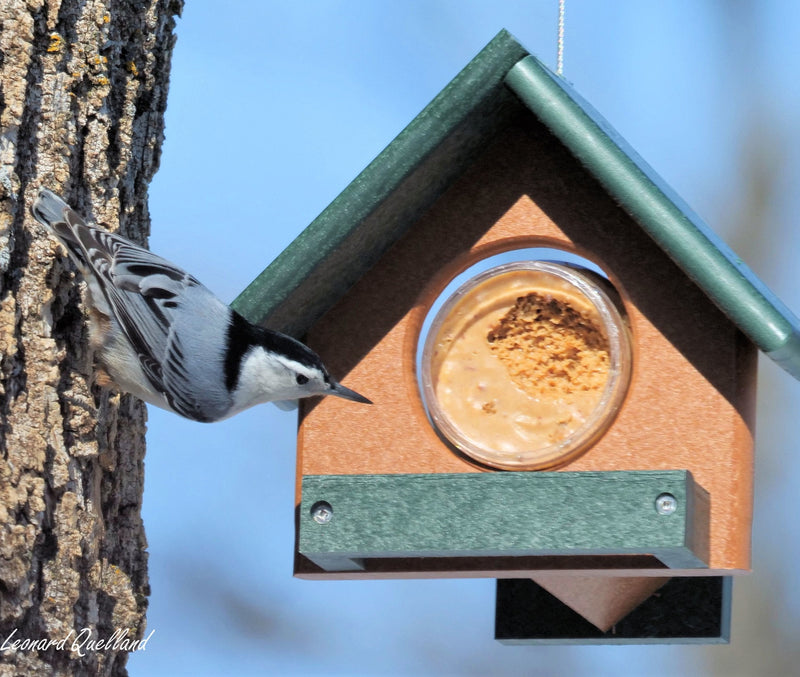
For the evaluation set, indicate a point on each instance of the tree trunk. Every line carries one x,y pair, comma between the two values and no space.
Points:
83,87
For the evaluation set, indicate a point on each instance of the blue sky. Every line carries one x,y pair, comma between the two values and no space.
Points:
274,107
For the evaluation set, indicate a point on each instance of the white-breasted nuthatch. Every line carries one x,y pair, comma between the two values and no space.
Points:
160,335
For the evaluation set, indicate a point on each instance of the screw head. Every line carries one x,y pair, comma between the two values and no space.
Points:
321,512
666,504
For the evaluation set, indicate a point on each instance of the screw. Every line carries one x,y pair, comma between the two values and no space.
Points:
321,512
666,504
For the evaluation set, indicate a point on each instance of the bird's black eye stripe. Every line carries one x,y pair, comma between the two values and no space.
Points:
301,379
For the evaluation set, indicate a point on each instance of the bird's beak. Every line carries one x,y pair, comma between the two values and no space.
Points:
339,390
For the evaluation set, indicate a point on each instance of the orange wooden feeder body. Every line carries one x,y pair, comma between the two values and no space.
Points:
483,170
690,402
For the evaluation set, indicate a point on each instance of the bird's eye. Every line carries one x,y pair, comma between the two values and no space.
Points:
301,379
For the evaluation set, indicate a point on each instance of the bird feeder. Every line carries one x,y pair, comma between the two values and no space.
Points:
562,360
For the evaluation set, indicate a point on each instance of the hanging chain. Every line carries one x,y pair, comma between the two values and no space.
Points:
560,52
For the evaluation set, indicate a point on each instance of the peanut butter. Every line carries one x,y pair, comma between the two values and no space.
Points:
520,362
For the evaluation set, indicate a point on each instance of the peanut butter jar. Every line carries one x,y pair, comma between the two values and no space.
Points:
525,366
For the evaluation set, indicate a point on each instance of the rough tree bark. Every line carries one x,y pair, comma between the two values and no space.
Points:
83,87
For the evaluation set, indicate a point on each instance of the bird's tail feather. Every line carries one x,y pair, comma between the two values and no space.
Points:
58,217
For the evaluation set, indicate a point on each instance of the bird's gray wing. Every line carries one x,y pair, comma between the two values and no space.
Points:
143,291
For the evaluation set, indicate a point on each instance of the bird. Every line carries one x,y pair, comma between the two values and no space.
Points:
160,335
